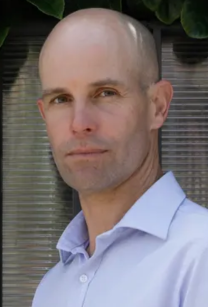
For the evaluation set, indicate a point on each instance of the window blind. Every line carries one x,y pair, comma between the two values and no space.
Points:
185,133
37,205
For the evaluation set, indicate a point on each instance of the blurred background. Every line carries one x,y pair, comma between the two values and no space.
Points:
36,204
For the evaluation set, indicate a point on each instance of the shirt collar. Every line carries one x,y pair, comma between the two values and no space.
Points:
73,238
152,213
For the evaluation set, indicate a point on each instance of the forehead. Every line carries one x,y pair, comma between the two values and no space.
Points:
85,56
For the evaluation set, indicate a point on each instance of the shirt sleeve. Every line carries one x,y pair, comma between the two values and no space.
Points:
196,294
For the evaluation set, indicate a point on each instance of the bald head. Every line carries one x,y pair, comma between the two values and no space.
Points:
125,36
93,66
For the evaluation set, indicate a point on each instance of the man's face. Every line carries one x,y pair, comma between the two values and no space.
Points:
97,116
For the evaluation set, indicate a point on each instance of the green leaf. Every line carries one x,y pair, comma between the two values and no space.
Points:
169,10
115,5
194,18
152,4
3,34
53,8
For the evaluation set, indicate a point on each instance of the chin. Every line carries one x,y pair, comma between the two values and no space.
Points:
88,185
90,179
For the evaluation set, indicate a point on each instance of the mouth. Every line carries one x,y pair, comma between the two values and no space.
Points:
86,152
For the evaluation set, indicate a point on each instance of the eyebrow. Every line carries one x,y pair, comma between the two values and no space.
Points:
52,91
100,83
107,81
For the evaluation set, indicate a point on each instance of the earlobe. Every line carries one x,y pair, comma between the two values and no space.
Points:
41,108
161,98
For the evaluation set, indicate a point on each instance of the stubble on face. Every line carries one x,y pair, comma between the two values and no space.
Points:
117,124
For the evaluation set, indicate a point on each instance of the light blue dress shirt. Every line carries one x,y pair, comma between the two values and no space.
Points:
156,256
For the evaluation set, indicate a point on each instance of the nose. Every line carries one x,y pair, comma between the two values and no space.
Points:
83,122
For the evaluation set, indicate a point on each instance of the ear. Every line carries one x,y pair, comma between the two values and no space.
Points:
41,108
160,95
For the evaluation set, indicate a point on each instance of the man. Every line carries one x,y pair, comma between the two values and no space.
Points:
138,242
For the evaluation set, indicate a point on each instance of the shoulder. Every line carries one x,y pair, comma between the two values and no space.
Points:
188,245
48,282
190,223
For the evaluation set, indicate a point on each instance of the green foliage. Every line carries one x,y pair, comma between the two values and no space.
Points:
3,34
53,8
169,10
152,4
193,14
116,5
194,18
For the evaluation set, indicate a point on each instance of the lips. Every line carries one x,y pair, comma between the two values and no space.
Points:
88,151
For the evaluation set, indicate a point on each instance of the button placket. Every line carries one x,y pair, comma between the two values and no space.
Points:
83,278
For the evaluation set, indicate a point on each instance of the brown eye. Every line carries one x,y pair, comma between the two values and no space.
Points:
61,99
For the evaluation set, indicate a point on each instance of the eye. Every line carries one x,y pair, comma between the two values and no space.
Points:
61,99
107,93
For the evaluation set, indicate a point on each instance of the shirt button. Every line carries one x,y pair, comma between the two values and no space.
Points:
83,278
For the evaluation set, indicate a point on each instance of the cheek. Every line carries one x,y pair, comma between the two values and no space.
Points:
114,131
128,122
131,132
57,128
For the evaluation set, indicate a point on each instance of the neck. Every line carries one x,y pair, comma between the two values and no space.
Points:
103,211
